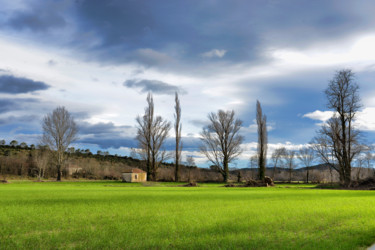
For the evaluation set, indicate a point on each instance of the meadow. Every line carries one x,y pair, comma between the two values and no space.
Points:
95,215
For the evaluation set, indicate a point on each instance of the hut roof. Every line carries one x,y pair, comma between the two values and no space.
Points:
135,170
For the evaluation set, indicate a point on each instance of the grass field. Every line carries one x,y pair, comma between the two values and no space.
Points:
97,215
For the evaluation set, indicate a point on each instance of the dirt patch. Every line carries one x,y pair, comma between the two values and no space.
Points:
190,184
254,183
267,182
4,181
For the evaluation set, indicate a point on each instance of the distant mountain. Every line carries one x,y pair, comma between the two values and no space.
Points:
320,167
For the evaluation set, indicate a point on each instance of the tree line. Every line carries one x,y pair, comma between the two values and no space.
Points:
337,144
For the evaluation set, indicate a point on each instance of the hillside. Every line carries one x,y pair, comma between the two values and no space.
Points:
24,162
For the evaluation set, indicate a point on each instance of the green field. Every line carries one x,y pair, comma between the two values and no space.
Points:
97,215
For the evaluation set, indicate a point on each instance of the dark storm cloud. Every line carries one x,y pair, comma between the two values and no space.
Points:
16,85
102,128
240,27
107,135
130,28
110,142
174,34
82,115
156,87
14,104
8,105
18,119
189,143
40,17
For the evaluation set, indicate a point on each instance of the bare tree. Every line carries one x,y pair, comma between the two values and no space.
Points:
190,165
144,134
190,160
339,133
321,145
151,134
369,158
253,164
262,141
276,157
221,140
364,160
360,163
289,162
133,153
42,158
306,156
59,131
177,128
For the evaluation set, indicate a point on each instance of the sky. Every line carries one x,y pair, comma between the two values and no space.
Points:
99,59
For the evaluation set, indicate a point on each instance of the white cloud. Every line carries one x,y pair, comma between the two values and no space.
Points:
215,53
319,115
253,128
365,119
357,53
106,100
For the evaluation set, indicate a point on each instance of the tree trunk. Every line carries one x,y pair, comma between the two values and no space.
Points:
225,177
239,177
307,175
148,170
58,173
176,179
262,169
153,166
347,177
153,176
226,170
359,173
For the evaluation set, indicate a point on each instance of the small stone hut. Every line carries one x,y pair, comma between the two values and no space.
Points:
134,175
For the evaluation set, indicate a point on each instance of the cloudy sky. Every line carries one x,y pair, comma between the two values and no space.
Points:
100,58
